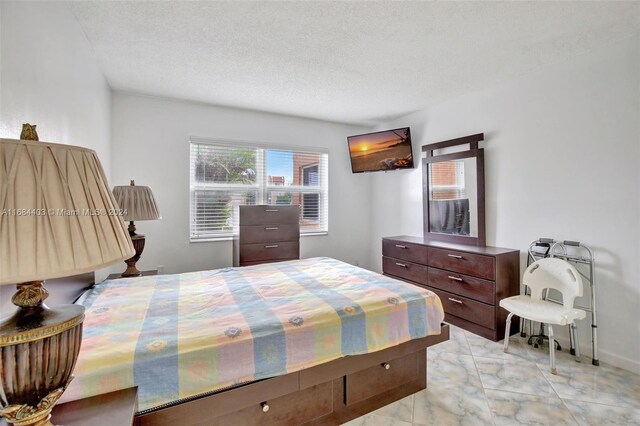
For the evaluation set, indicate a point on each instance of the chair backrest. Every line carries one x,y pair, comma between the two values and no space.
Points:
554,273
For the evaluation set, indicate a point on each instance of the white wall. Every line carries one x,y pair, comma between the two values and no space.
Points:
49,77
151,145
562,150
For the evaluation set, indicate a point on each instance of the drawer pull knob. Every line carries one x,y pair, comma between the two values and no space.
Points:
271,228
454,278
270,210
272,246
400,246
386,365
402,265
265,407
455,300
455,256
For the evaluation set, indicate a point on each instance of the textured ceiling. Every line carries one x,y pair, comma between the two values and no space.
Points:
357,62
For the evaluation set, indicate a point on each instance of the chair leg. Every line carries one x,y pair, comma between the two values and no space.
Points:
530,328
572,341
552,350
574,328
539,341
506,333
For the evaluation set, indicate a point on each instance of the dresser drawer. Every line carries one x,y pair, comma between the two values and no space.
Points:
403,269
464,263
405,251
471,310
464,285
269,251
269,215
269,233
376,379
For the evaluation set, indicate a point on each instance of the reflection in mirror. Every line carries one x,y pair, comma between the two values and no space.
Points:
453,202
453,191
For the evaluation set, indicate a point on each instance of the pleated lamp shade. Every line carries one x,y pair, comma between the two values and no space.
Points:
137,202
57,215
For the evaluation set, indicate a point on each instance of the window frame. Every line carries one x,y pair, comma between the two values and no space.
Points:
262,186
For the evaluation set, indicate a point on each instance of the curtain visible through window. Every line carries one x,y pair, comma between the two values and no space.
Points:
225,175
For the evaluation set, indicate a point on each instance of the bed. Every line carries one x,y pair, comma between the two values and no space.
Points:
306,341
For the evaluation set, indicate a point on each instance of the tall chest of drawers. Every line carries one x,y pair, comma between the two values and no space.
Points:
266,234
470,281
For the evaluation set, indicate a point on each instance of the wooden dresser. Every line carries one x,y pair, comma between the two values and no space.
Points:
267,234
469,280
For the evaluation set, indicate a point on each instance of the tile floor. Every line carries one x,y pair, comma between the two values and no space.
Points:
471,381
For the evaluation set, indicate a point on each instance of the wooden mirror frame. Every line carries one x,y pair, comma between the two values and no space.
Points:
473,152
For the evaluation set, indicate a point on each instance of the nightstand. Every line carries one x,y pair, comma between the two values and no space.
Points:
144,274
119,407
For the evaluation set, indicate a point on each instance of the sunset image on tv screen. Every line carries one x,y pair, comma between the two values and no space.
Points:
381,151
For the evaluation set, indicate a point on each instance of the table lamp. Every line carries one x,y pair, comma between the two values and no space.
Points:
55,220
136,203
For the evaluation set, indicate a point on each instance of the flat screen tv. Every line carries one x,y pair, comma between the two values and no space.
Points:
381,151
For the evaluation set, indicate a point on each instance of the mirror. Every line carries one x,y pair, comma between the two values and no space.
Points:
453,202
453,198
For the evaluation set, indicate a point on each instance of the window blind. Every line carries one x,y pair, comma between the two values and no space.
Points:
227,175
447,180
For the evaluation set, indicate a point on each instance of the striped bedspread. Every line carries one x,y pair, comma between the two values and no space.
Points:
176,336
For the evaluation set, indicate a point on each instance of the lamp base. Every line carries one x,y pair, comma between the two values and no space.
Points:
138,244
25,415
38,348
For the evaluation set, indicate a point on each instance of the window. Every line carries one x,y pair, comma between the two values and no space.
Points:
225,175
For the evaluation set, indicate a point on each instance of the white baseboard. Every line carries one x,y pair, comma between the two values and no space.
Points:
607,357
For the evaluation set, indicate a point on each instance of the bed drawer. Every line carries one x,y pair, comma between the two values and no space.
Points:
293,409
269,251
403,269
405,251
269,233
269,215
223,405
464,285
464,263
470,310
382,377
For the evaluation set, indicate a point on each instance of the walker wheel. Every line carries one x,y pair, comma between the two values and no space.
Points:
523,334
535,345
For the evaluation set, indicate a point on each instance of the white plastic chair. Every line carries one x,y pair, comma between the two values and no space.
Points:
543,274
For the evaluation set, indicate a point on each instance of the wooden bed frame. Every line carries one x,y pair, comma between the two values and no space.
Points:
327,394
